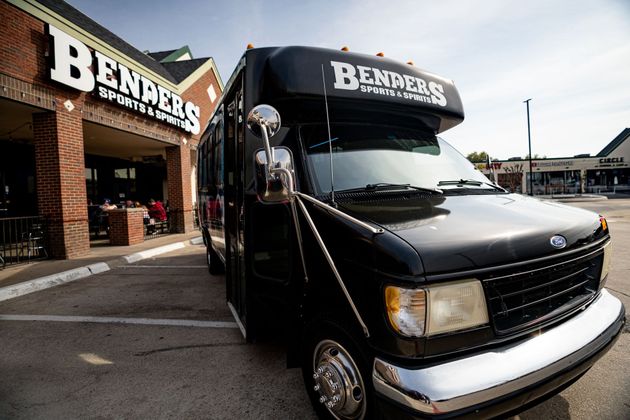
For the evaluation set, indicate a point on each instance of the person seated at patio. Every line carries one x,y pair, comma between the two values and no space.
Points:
156,210
107,205
145,212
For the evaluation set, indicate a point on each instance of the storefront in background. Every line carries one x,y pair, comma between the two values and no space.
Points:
606,172
85,117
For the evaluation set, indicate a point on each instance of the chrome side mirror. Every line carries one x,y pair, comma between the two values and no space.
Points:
263,116
264,121
274,174
277,186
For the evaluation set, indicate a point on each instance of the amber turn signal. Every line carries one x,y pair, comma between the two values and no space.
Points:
406,309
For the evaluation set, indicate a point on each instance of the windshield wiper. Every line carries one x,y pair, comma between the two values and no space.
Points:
462,182
384,186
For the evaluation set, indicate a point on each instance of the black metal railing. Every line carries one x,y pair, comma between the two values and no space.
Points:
22,239
158,228
173,224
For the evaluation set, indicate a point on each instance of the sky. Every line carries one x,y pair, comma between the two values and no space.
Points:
571,57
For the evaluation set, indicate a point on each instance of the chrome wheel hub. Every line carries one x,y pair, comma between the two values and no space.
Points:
338,381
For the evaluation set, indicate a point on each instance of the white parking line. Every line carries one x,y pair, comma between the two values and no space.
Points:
164,266
112,320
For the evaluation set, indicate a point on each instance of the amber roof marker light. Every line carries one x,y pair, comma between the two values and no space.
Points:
250,46
380,54
345,49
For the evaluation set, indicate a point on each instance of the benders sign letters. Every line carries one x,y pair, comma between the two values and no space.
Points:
388,83
73,64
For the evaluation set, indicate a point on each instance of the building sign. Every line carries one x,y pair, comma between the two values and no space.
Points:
74,64
484,166
372,80
548,163
611,160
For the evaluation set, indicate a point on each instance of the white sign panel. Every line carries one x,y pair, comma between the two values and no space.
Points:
376,81
74,64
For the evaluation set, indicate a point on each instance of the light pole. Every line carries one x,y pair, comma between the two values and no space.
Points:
529,140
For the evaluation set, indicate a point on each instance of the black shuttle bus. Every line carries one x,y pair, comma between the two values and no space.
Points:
405,283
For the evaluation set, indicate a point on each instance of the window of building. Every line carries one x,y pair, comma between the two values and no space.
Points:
125,173
91,183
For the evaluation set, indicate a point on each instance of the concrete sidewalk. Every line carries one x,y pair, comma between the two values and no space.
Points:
112,256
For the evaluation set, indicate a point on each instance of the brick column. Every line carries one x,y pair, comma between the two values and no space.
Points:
179,189
60,179
126,226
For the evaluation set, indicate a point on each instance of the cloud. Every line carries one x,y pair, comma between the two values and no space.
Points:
571,57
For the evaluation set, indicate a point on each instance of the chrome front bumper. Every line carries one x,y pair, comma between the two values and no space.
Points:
475,380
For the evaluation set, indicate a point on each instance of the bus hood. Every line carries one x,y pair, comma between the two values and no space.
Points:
454,233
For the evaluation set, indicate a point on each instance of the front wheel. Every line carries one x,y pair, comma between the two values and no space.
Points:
336,375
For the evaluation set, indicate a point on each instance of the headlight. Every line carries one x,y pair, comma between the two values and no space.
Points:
456,306
605,264
436,309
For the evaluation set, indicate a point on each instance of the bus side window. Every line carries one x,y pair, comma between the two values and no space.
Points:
215,177
271,241
217,157
206,181
203,167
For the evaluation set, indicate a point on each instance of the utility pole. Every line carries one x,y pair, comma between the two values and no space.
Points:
529,139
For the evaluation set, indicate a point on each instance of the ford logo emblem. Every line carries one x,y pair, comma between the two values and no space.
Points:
558,241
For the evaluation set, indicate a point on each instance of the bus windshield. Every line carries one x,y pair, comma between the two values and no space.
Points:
377,154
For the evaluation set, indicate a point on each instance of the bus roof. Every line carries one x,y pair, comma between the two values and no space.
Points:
292,75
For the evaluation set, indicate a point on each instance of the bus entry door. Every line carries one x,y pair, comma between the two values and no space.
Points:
234,198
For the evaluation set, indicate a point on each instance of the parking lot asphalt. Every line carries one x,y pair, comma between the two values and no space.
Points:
73,369
155,339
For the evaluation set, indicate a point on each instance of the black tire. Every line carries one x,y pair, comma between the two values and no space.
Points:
215,265
329,336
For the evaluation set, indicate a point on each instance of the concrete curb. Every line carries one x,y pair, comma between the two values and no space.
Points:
196,241
46,282
42,283
568,198
154,251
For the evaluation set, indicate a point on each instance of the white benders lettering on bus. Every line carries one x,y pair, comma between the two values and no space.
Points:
387,83
73,64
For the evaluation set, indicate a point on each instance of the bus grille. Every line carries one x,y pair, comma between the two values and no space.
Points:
519,301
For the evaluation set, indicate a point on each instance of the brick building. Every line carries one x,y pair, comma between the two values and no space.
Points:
84,116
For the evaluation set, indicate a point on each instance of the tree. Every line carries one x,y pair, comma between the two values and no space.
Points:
514,177
478,157
536,156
